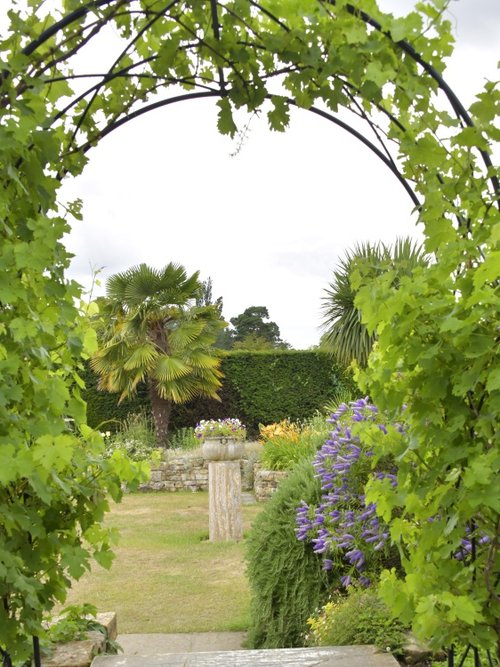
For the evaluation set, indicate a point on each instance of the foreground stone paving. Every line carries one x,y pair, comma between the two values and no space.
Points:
336,656
181,642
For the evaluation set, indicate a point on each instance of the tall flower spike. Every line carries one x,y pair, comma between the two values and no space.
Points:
343,524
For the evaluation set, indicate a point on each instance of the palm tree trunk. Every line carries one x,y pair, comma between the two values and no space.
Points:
161,409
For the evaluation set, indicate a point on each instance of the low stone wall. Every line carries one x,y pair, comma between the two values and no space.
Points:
266,482
179,474
190,473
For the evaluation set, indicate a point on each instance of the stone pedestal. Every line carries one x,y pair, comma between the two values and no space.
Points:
225,520
224,501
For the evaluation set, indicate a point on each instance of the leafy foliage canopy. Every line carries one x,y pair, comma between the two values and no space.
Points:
438,341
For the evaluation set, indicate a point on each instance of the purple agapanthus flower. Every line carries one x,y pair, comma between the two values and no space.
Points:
344,524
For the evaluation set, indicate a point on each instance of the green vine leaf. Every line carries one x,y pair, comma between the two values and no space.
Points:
225,122
279,117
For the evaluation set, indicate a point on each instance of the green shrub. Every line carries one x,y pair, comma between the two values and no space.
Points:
183,438
135,437
360,617
464,657
344,394
281,453
318,423
73,624
286,578
287,446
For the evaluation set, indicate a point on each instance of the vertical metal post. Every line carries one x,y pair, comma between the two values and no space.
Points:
36,652
6,661
485,661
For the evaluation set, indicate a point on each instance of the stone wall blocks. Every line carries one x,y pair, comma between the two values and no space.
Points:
191,474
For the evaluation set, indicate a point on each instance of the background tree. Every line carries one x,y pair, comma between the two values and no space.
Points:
250,331
205,298
252,342
345,334
152,330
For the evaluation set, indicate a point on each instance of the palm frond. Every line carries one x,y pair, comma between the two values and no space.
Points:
176,287
169,368
199,358
130,386
180,390
344,333
141,357
186,333
153,289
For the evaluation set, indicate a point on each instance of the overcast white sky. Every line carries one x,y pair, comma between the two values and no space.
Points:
268,224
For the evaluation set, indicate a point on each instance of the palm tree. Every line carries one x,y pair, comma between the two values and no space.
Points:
345,334
152,331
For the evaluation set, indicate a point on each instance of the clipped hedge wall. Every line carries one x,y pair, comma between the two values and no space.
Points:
258,388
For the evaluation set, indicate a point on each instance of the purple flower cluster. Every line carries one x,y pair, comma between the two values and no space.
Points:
469,545
343,525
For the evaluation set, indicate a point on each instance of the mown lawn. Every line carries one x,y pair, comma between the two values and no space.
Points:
167,575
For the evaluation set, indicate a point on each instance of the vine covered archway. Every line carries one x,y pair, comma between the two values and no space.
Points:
438,334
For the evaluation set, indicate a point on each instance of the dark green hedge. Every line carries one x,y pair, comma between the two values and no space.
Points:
258,388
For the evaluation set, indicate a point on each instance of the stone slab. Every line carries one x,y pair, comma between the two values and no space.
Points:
81,652
182,642
335,656
109,621
77,653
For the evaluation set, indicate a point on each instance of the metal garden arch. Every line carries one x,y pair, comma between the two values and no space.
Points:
320,55
220,87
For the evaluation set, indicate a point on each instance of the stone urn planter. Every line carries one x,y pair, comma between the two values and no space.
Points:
223,454
223,449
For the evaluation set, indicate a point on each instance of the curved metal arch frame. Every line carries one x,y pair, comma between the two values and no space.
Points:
93,91
319,112
404,45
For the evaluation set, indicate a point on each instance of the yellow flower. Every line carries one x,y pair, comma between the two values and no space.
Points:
282,429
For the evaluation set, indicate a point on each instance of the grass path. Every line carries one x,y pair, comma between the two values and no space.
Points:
167,575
